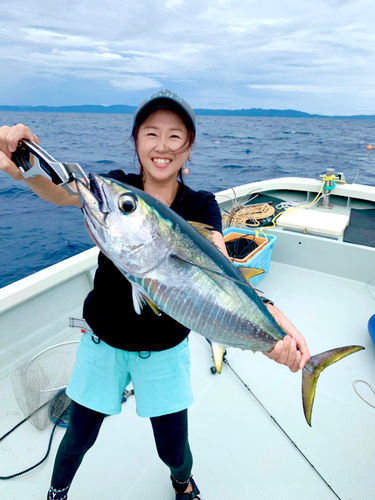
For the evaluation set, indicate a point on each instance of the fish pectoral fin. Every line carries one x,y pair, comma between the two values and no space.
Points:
217,354
140,298
250,272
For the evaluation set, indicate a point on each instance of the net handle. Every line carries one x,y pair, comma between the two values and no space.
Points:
42,352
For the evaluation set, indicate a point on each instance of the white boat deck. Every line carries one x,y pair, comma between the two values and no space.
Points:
239,452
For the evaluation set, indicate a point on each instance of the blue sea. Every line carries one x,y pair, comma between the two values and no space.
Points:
228,151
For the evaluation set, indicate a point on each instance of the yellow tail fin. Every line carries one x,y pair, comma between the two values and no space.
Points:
312,370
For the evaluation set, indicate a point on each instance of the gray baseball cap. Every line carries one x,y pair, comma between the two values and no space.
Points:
164,99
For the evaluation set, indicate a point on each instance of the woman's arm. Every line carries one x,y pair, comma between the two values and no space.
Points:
218,240
292,350
42,187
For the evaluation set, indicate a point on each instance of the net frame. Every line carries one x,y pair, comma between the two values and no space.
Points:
39,385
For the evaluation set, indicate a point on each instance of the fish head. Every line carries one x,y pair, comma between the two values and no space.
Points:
121,223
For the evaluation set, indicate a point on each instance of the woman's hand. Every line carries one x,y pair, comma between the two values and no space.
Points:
9,138
292,350
44,188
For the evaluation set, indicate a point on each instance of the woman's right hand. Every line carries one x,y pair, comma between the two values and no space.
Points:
9,138
42,187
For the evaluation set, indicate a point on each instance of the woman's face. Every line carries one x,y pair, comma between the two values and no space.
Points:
161,143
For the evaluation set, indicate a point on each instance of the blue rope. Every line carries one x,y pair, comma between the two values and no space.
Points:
329,188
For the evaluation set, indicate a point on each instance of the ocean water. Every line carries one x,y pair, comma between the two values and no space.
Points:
228,151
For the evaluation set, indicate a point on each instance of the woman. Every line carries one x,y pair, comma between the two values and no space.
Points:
158,366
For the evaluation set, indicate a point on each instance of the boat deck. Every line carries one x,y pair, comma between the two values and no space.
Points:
240,453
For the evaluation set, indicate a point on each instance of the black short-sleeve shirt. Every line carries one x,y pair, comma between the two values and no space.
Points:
108,308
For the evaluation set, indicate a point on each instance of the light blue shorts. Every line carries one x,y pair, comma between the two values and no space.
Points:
161,381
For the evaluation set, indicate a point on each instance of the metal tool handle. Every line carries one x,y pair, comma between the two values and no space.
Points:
45,165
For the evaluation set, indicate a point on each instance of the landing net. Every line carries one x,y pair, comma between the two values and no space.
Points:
39,385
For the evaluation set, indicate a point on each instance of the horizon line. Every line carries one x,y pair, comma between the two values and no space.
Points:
129,109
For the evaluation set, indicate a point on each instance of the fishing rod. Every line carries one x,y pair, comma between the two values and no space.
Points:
225,360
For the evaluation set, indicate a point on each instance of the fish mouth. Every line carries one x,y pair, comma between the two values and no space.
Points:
93,191
93,199
96,189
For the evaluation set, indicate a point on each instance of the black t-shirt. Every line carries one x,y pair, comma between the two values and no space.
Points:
108,308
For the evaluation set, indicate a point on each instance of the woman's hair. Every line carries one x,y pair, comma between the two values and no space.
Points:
189,141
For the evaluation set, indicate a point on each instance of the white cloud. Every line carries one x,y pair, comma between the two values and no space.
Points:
316,55
173,3
311,89
129,82
52,38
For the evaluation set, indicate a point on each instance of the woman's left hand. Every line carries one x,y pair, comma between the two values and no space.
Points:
292,350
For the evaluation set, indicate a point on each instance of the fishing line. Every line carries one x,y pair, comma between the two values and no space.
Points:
279,426
368,385
369,148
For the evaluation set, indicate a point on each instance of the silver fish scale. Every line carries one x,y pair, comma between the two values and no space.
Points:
217,309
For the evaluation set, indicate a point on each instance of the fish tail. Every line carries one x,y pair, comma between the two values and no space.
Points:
313,369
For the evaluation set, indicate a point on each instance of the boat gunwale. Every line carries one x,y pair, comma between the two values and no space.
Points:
40,282
357,191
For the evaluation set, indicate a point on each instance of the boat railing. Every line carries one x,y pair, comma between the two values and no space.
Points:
34,311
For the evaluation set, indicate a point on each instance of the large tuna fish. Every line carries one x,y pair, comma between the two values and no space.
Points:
174,268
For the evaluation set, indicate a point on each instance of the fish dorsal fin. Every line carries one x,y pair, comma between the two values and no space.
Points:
140,298
204,230
250,272
217,354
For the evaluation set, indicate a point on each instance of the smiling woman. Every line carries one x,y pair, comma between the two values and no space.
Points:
158,366
163,132
123,346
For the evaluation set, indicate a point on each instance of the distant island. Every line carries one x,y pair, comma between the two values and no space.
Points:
124,109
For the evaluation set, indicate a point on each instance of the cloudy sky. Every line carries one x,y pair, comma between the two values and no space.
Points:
316,56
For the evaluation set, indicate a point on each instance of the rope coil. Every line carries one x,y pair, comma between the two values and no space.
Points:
249,216
241,247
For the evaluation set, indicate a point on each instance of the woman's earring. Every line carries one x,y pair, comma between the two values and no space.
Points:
185,171
139,166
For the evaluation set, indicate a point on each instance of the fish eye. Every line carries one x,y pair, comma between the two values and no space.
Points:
127,203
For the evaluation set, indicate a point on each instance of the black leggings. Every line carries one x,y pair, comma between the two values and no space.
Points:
171,438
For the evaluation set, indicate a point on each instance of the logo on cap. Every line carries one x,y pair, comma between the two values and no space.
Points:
165,93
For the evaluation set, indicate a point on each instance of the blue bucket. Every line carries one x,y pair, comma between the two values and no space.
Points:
371,328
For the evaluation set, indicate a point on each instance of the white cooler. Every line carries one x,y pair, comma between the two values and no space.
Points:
312,221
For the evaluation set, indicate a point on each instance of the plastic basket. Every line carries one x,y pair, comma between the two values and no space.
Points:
261,258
